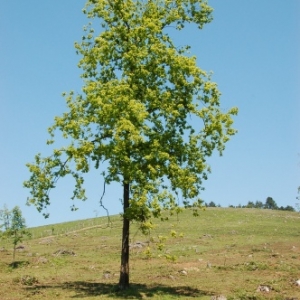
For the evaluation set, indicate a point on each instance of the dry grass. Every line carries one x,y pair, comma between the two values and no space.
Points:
223,251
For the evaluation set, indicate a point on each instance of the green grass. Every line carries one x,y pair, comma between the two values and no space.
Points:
223,251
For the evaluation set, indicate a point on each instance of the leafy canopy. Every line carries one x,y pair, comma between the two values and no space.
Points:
139,109
14,225
5,218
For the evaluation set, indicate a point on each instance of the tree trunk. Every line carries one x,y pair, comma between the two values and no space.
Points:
124,271
15,245
14,253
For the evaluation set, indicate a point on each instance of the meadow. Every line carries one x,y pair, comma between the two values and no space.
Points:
239,253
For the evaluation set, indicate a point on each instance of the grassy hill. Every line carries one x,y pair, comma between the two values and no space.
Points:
234,252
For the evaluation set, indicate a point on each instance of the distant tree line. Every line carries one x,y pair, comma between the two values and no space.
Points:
212,204
269,204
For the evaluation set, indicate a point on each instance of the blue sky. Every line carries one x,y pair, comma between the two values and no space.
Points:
253,49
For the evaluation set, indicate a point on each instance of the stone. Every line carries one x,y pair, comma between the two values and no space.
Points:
219,297
263,288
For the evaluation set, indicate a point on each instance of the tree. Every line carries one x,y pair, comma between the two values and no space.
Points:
141,99
14,226
287,208
250,204
5,216
298,199
259,204
270,203
211,204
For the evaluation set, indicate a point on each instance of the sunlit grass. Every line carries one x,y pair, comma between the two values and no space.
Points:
223,251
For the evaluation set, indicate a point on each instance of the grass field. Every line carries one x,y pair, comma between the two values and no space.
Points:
224,251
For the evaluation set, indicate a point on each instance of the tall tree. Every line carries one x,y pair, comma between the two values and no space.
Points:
139,111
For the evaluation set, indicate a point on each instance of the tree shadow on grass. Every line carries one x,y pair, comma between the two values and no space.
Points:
136,291
18,264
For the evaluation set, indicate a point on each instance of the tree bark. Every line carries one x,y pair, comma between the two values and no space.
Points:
124,271
14,253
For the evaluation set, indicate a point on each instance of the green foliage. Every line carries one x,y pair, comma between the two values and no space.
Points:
140,94
269,204
288,208
148,253
258,204
211,204
140,111
14,226
170,258
5,218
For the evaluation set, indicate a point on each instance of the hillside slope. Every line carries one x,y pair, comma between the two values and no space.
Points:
239,253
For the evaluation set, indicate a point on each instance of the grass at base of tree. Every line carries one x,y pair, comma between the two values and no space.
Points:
223,251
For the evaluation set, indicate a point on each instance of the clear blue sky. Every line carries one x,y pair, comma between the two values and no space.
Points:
253,48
